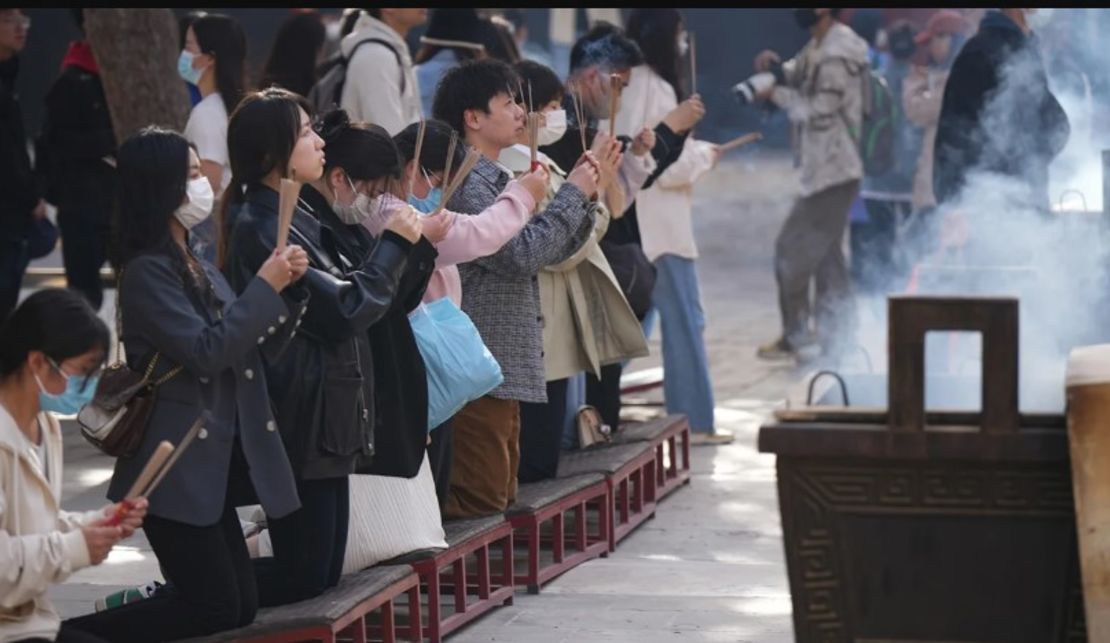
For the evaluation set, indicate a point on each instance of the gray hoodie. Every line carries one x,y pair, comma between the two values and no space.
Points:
372,90
823,96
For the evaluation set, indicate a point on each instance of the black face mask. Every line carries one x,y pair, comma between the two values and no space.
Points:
805,18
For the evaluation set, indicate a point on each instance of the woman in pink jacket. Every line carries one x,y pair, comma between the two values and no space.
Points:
458,239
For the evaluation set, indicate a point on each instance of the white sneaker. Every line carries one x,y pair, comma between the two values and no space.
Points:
715,438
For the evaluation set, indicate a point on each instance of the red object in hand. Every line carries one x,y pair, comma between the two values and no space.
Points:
122,510
535,166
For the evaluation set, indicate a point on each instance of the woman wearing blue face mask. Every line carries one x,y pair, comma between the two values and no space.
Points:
53,349
213,60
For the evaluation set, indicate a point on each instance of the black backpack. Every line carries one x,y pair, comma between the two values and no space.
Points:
327,93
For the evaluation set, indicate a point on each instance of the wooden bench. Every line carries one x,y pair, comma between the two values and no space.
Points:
670,436
629,470
467,538
549,501
340,611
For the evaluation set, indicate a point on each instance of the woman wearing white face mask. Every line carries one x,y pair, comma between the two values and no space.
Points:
587,322
213,61
205,346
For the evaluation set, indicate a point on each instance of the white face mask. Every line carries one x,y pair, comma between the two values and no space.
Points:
354,213
554,127
199,205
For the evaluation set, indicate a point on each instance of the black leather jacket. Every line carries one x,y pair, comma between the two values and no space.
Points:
322,387
400,381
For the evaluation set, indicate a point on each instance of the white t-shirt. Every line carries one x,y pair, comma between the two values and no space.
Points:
207,129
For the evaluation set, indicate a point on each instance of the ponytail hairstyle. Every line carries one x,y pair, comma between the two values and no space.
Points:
57,322
261,135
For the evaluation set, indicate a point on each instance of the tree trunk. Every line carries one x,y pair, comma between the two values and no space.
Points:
136,50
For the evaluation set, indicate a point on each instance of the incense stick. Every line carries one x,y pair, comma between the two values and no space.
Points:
578,115
416,153
184,444
157,459
287,202
533,138
448,166
693,63
472,157
741,141
615,86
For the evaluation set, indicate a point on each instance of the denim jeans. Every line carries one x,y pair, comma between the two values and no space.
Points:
677,303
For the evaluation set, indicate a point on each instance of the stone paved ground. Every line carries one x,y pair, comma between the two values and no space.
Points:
710,566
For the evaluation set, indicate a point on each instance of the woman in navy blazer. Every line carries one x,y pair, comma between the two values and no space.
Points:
181,309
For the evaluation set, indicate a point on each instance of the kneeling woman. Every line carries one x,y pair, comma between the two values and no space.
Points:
181,318
53,348
322,387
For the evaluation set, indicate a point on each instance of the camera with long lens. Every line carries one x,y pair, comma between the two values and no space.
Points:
747,90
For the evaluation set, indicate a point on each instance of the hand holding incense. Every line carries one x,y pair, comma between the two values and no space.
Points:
287,203
741,141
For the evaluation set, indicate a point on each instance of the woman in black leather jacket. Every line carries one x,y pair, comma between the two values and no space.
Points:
362,164
322,387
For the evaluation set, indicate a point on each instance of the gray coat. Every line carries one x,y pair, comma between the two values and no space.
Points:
222,377
501,292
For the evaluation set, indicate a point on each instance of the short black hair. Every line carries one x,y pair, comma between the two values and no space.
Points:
542,80
57,322
471,85
433,155
605,45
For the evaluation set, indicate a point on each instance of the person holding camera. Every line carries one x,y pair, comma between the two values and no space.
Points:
821,90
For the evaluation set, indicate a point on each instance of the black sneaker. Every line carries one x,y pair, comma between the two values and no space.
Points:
776,351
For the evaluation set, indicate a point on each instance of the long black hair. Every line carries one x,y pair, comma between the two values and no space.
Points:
261,135
55,321
656,32
292,62
152,170
365,152
221,37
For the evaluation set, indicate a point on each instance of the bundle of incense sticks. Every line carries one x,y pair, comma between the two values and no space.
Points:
472,157
693,63
416,153
741,141
450,164
287,202
579,115
159,464
615,87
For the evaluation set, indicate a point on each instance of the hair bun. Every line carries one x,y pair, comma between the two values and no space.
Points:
332,123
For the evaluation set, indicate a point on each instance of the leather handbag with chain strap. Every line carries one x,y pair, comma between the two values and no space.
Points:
116,418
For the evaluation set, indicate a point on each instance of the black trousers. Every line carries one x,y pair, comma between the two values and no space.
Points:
440,451
84,250
873,266
309,544
13,263
213,586
605,394
541,434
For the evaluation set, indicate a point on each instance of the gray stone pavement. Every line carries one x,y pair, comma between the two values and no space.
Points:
710,566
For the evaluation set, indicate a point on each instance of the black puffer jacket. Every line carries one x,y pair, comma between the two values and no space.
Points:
400,381
998,114
322,387
19,193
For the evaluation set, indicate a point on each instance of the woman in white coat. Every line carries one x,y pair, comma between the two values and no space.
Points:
664,212
54,346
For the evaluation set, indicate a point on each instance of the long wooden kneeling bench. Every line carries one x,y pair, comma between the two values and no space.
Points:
629,471
670,436
339,612
550,501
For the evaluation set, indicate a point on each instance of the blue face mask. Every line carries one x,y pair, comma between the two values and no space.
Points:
185,67
79,392
429,203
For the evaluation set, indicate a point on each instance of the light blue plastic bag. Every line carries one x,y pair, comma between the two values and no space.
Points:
460,367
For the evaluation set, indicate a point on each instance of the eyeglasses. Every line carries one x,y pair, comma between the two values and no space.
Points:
82,380
21,21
